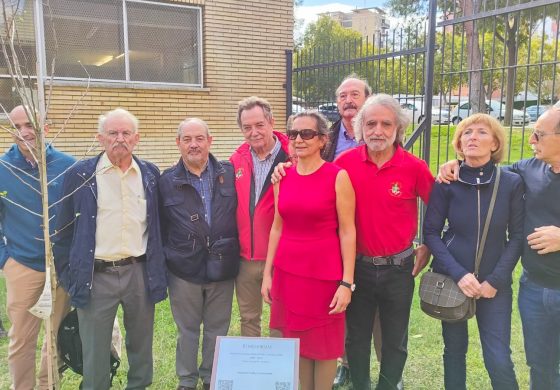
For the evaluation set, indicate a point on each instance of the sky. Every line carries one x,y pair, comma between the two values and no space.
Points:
353,3
311,8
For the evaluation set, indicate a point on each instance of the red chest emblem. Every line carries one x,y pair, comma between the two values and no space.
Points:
239,173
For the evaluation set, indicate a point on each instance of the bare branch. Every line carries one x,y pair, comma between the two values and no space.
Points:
91,147
4,196
80,186
17,133
66,226
47,4
75,106
11,168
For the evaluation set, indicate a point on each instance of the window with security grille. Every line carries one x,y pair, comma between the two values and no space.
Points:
127,40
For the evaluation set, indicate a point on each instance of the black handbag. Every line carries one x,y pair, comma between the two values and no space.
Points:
440,297
223,259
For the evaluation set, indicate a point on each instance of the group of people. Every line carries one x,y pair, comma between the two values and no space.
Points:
124,235
523,221
329,245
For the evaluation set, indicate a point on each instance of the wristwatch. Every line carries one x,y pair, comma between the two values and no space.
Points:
351,286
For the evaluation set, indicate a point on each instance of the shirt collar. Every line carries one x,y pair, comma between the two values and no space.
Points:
105,165
31,163
272,152
344,132
477,175
205,169
395,160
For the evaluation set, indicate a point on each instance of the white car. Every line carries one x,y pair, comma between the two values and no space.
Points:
414,111
440,116
494,108
296,109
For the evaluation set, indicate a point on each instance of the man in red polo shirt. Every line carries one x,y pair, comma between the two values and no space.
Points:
387,181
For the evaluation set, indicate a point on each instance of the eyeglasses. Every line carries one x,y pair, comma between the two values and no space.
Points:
305,134
115,133
538,134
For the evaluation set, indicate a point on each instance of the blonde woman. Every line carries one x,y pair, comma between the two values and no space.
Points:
463,205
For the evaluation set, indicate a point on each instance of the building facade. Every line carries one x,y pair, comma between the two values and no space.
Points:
369,22
163,61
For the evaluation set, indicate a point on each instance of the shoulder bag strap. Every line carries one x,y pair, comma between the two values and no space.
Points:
487,223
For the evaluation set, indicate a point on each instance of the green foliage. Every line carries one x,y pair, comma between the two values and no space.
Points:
326,31
327,42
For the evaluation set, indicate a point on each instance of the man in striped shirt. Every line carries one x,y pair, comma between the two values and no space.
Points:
253,164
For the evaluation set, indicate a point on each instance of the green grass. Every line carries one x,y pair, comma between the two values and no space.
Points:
424,368
442,151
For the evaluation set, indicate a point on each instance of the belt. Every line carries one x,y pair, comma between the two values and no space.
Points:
102,265
397,259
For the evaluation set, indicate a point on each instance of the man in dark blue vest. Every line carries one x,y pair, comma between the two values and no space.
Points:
199,232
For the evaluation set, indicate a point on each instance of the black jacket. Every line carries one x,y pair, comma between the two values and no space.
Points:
458,204
330,148
195,251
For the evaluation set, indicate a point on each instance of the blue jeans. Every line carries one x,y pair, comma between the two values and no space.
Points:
389,288
494,325
540,316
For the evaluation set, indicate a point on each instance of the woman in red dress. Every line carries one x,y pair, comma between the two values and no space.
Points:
312,249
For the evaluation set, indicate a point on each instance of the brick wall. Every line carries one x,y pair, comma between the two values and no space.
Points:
244,44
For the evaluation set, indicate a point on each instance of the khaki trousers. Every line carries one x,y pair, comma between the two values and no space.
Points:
24,286
248,292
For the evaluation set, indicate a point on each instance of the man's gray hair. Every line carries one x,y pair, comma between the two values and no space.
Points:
252,102
556,107
354,76
117,113
386,101
188,121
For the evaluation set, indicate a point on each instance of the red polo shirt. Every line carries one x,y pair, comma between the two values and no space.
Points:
386,199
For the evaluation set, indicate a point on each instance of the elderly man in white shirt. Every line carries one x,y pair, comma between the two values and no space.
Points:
108,250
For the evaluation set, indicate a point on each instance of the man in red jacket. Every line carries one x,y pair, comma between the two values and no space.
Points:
253,163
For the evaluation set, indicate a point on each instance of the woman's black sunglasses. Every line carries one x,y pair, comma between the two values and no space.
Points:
305,134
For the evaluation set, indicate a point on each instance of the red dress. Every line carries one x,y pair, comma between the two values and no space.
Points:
308,264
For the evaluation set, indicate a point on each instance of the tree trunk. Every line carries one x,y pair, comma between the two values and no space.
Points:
50,332
511,45
474,58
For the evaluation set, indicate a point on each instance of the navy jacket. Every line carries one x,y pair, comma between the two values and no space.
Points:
74,240
457,203
330,148
195,250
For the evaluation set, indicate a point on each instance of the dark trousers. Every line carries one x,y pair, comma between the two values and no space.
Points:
540,316
389,288
493,317
125,286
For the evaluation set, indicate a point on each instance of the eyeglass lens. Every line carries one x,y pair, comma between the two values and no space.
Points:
305,134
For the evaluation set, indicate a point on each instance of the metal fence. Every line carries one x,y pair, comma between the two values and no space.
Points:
466,56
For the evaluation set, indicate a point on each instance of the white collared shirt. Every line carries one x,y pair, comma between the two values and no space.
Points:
121,229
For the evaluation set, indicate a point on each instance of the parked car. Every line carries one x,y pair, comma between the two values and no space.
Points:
535,112
494,108
330,111
414,111
296,109
440,116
